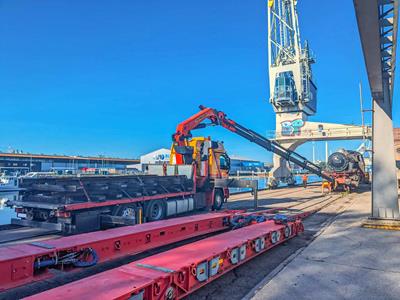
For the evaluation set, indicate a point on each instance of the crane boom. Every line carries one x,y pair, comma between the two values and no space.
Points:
219,118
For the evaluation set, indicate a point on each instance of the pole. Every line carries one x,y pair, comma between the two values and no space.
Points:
313,152
326,151
255,193
361,106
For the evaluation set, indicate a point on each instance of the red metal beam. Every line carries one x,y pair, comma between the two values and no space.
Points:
178,272
17,262
86,205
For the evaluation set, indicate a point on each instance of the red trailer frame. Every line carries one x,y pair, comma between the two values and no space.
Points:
17,263
26,263
178,272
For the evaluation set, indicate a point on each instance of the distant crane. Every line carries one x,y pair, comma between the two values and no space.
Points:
293,93
292,89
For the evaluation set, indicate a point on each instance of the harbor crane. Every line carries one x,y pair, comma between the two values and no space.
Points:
293,92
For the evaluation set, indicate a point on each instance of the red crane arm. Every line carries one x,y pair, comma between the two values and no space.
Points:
183,130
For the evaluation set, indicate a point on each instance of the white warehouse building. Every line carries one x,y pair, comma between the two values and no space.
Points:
157,157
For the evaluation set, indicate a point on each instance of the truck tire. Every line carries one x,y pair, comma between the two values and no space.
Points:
156,210
126,211
218,199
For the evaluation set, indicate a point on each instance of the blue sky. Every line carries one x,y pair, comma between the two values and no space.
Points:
115,77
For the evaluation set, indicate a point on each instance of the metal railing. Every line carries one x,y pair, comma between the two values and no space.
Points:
365,131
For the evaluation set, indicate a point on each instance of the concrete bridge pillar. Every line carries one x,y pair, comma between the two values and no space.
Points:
385,204
281,172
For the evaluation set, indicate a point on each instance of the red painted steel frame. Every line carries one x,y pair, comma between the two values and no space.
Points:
174,274
86,205
17,262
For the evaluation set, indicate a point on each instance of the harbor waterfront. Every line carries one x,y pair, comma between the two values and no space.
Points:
6,213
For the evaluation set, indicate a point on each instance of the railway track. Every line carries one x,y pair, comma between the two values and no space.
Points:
307,200
267,192
325,203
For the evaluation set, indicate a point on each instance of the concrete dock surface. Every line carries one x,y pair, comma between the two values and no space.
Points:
344,261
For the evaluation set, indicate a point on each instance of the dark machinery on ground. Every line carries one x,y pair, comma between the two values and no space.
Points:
196,178
347,168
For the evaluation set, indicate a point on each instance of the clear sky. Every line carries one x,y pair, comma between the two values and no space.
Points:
90,77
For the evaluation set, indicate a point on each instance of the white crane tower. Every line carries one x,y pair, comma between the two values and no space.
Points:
293,93
291,85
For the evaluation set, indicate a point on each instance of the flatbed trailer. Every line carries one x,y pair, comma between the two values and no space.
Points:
74,205
35,261
176,273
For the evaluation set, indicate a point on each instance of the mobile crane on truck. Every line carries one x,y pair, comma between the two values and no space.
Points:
196,178
186,149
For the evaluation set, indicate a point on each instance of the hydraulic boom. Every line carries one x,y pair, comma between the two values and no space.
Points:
219,118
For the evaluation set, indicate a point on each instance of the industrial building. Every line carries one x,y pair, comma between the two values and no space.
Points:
159,156
238,163
241,164
24,162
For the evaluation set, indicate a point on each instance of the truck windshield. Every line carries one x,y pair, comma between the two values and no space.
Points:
223,162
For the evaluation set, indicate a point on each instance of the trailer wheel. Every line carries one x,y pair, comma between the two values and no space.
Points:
126,211
218,199
155,210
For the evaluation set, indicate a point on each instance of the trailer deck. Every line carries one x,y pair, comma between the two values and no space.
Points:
34,261
178,272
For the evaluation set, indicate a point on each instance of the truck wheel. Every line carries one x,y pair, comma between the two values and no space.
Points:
126,211
218,199
155,210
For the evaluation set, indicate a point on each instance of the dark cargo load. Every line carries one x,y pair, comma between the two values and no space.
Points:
74,189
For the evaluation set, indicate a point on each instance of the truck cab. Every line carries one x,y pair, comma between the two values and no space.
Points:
212,164
210,157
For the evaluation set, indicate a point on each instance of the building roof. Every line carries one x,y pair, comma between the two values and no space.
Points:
241,158
65,157
157,151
